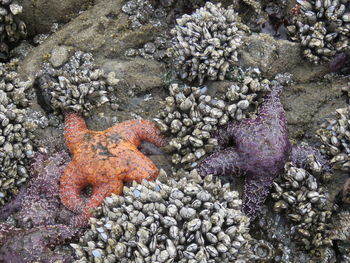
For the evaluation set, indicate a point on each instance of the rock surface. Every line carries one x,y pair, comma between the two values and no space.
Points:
308,104
102,30
39,15
277,56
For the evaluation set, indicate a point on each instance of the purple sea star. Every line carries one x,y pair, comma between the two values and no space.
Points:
38,203
35,244
41,219
257,148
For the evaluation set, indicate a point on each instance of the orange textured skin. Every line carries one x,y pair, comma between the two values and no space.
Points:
105,159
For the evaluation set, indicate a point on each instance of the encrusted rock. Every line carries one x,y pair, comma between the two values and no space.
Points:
205,43
322,27
77,85
216,231
192,116
16,128
305,203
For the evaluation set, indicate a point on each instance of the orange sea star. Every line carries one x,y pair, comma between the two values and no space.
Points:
105,160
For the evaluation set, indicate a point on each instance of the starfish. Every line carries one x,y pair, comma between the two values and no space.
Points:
35,244
257,148
38,203
105,160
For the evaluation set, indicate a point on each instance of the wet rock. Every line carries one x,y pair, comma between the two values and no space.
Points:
307,104
40,15
275,56
59,56
142,73
101,30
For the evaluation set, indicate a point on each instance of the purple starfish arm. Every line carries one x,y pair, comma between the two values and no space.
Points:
31,245
14,205
257,147
225,162
272,104
262,143
225,135
256,190
299,157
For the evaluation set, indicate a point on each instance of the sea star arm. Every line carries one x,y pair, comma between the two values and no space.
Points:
225,135
141,167
14,205
101,191
299,157
75,129
98,195
272,103
225,162
136,131
256,190
71,184
33,245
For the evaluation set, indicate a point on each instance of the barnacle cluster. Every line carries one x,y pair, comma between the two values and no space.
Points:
306,204
158,13
15,131
191,115
335,136
77,85
156,49
205,43
322,27
179,220
143,12
12,29
340,233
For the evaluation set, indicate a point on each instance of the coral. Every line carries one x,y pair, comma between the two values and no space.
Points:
180,219
105,160
35,244
77,85
12,28
322,27
190,114
257,148
205,43
16,147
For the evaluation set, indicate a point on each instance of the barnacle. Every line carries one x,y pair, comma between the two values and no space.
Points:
181,219
205,43
323,28
12,29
